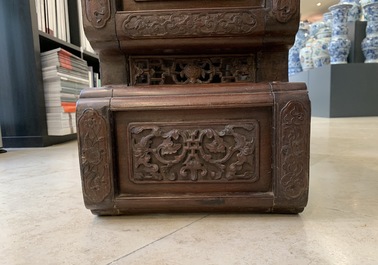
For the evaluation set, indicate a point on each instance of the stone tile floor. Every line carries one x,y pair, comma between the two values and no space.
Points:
43,219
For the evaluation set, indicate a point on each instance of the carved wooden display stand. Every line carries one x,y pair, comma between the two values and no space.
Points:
196,114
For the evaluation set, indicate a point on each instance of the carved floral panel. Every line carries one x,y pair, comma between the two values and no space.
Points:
94,154
188,23
200,70
294,150
200,152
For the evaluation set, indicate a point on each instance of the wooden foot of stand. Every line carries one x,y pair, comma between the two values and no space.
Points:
215,148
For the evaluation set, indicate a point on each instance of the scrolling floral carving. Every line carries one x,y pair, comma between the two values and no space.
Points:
97,12
179,153
94,154
284,10
294,180
176,24
181,70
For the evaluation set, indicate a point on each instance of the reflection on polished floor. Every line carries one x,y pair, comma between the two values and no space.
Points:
43,220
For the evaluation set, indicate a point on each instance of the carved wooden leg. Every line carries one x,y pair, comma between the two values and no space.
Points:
95,153
292,148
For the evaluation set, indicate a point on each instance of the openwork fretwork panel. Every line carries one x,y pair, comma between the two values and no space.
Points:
186,70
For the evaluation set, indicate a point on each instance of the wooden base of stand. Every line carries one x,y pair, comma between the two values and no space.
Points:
241,147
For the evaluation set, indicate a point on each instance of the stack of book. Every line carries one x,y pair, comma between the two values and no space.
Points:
64,76
84,42
54,17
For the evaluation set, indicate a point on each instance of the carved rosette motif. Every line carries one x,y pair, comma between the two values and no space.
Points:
94,154
284,10
179,23
97,12
172,153
294,151
181,71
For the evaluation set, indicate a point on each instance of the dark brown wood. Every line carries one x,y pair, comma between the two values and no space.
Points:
196,114
263,29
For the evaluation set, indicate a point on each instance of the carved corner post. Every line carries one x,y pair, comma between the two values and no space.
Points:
95,149
291,147
99,25
281,26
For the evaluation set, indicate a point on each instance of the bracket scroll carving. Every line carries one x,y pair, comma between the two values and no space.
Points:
284,10
172,153
294,151
94,153
177,24
97,12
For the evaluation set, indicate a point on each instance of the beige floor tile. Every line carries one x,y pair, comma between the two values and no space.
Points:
43,219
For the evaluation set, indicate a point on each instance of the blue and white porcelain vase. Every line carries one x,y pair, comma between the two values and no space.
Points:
339,45
300,41
355,11
305,53
320,53
364,3
370,43
327,19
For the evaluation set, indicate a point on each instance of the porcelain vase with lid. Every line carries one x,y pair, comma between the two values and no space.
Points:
305,55
339,45
320,53
327,19
307,52
355,11
301,37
